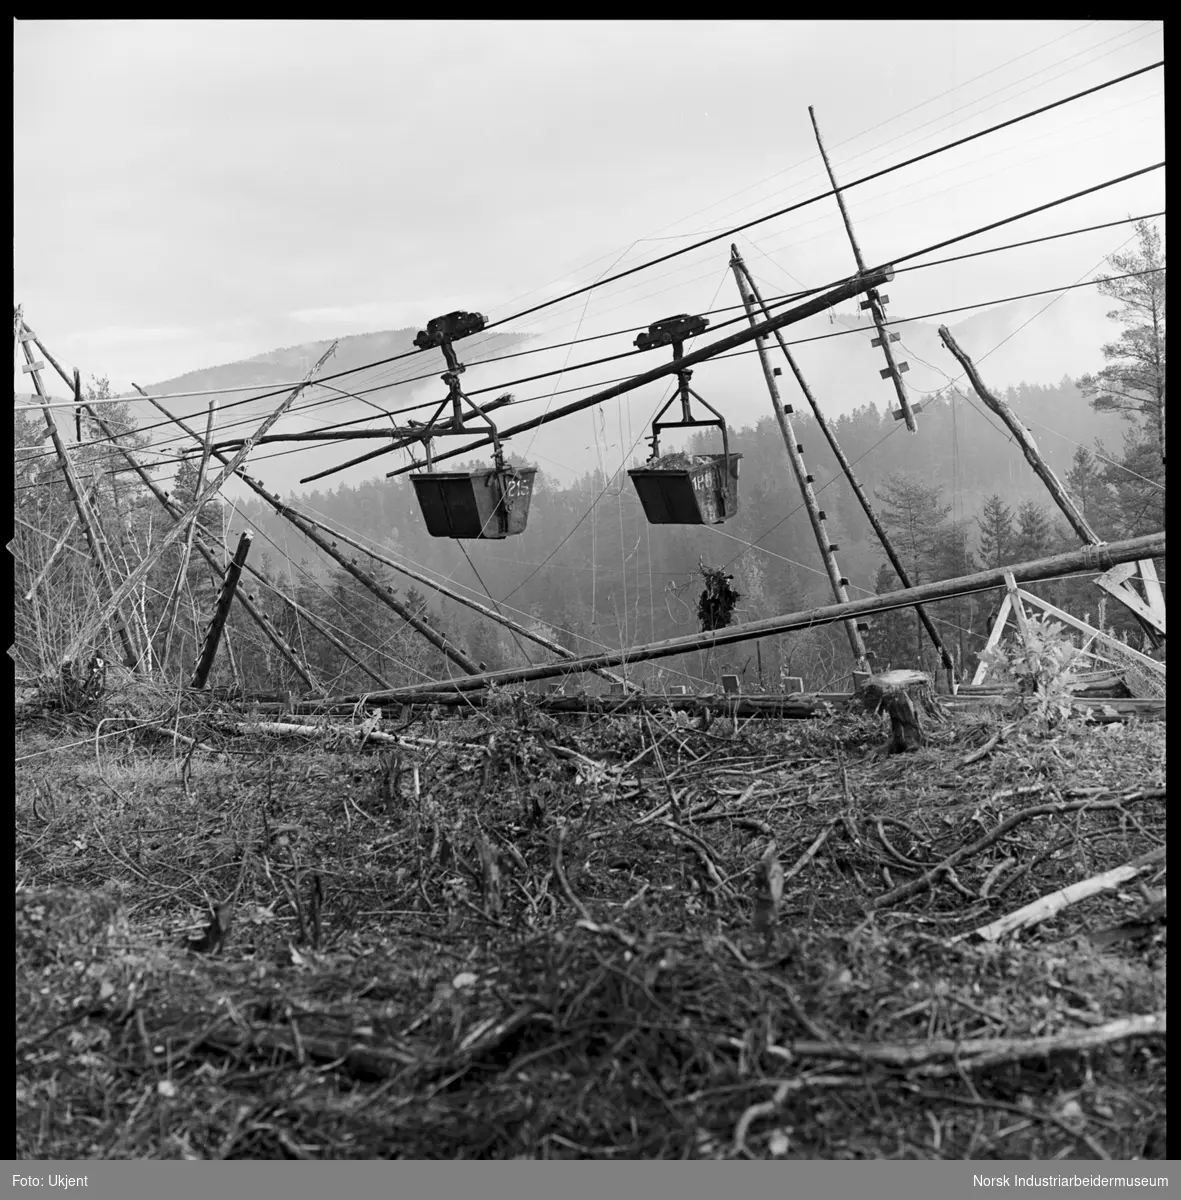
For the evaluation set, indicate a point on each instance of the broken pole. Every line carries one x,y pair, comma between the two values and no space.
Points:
1143,613
816,515
875,301
224,600
174,510
1051,567
264,622
818,304
1025,440
459,598
883,535
86,518
179,529
313,535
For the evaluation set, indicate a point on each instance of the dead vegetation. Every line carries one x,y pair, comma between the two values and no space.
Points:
507,936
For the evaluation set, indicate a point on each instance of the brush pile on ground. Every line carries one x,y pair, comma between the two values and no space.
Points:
508,937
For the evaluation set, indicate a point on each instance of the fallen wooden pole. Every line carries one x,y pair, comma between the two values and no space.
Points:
1085,559
459,598
224,600
313,535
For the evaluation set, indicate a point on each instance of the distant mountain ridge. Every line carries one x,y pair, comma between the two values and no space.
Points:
292,362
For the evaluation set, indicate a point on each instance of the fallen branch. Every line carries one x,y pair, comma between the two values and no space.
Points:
810,853
1046,906
358,733
930,1058
1038,810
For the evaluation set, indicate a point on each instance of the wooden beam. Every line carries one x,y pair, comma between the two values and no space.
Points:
312,534
224,600
88,521
883,535
1052,567
994,638
795,456
874,301
1025,440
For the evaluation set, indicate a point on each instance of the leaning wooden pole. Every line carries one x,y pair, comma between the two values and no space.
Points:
459,598
264,621
1052,567
874,301
1045,473
86,520
1025,440
224,600
180,528
816,514
363,577
174,510
879,529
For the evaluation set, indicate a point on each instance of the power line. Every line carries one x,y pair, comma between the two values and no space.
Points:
729,355
823,196
759,220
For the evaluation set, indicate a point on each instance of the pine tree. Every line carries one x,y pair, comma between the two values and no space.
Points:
996,532
1034,535
1133,382
1087,484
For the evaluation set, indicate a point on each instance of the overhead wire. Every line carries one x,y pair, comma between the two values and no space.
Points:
759,220
736,353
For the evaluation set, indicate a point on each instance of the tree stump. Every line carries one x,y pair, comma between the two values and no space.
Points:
903,695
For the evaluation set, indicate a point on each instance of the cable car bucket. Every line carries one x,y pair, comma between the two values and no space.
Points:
681,489
485,504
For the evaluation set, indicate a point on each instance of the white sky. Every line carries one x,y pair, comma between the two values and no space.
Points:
192,193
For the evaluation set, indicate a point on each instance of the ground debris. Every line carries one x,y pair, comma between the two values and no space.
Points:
511,942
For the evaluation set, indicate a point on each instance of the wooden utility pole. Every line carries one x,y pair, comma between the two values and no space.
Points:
875,301
312,534
1151,616
795,454
224,600
180,528
86,519
1130,550
858,491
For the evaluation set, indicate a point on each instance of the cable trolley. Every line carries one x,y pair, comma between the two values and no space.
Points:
683,489
491,503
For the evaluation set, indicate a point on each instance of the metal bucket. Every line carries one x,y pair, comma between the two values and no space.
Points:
475,504
691,495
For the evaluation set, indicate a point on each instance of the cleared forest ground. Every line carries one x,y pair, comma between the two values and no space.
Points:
497,941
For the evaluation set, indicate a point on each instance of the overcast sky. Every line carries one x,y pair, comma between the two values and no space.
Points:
192,193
